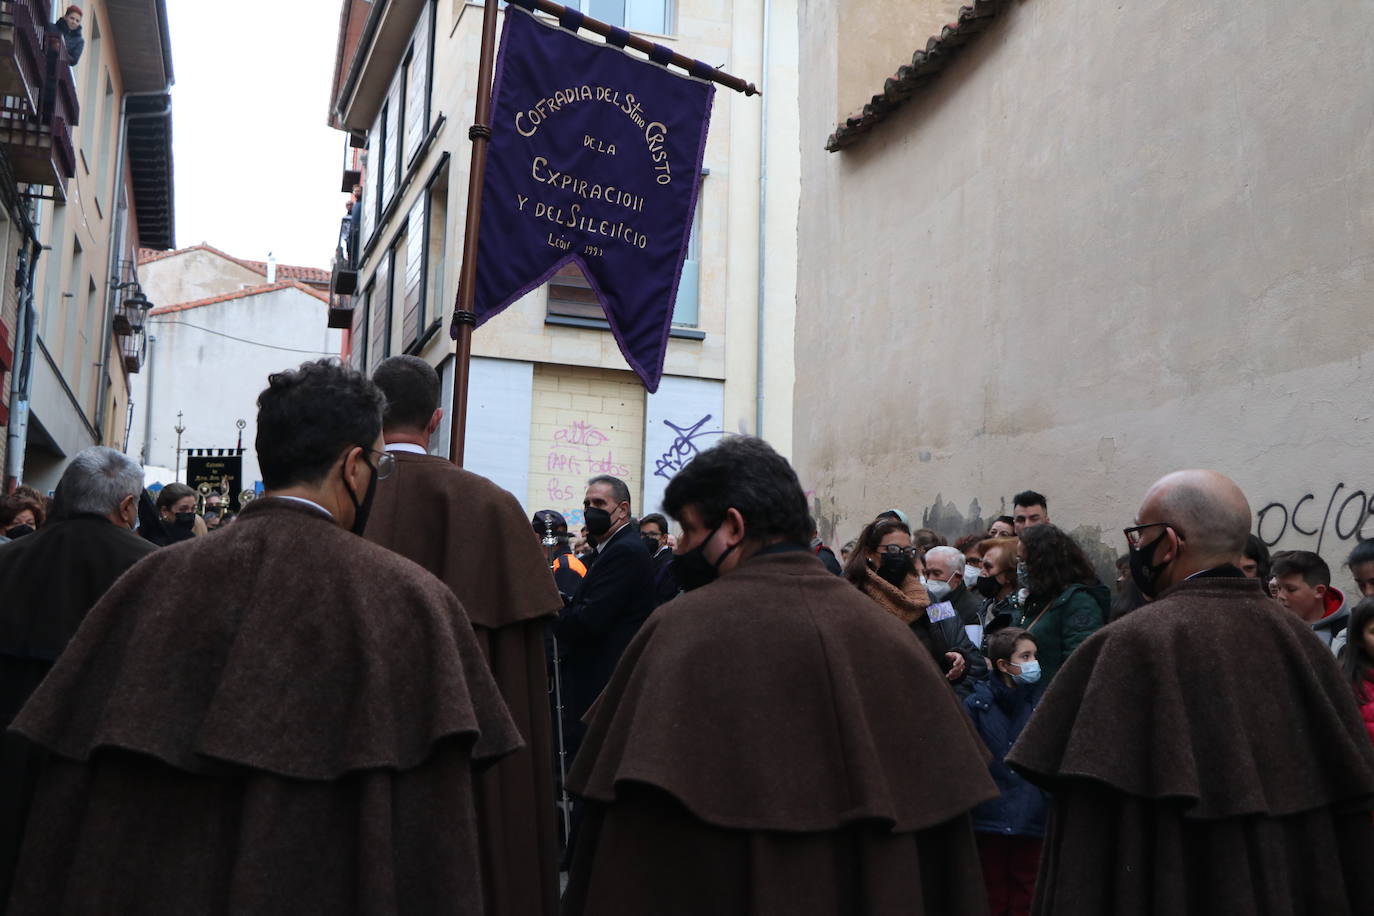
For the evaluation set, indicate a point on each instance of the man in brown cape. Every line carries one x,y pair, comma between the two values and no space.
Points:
49,581
772,742
279,718
474,536
1204,752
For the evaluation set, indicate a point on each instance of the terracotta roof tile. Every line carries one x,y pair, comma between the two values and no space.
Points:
916,76
311,275
241,294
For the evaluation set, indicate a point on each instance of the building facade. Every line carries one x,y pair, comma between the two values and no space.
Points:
552,402
221,326
1074,246
106,146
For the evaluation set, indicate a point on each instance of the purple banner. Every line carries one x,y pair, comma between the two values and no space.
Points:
595,157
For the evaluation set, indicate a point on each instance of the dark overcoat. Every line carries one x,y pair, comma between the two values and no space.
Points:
606,611
1204,755
474,536
49,581
297,735
776,743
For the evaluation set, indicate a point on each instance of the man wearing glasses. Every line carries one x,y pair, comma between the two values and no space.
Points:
1204,753
300,737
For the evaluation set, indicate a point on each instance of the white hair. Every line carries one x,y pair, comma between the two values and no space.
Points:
98,480
955,558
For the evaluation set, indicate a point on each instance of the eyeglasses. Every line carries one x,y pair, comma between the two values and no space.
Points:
893,550
386,463
1133,534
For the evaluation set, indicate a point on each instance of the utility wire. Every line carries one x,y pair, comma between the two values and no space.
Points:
254,343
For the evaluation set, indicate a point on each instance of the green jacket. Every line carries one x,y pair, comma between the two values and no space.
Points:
1063,624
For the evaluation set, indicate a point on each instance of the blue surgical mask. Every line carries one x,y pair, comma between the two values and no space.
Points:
1030,673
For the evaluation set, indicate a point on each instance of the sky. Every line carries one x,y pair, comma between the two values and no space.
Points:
256,168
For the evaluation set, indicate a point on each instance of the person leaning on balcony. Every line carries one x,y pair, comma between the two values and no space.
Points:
69,27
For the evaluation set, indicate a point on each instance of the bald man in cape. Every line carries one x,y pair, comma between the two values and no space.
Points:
475,537
1204,753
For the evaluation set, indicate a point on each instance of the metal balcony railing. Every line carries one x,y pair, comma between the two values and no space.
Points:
21,54
38,137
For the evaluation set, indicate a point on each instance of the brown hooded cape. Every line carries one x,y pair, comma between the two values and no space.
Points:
49,581
775,742
1205,756
474,536
280,717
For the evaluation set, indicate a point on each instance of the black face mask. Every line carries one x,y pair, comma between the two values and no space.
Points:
598,523
1143,572
361,510
650,542
18,531
893,568
691,570
185,520
988,586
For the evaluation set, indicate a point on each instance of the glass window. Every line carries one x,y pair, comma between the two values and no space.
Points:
654,16
686,308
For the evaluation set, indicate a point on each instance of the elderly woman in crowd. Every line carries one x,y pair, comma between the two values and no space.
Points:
887,568
998,585
21,513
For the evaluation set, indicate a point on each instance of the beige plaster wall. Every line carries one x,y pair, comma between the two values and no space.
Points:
875,37
192,275
1112,241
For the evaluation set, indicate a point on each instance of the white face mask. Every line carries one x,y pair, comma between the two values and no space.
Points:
971,574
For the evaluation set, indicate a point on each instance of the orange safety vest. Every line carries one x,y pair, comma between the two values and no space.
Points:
572,563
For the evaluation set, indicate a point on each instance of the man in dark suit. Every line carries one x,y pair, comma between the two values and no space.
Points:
653,529
607,610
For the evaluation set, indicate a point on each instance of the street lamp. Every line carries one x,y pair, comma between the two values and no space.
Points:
132,312
137,307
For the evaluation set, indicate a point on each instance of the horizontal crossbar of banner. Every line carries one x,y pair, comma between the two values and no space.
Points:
575,19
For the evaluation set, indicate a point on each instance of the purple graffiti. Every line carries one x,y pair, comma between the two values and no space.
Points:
684,447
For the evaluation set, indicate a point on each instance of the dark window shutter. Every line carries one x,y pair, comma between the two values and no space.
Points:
571,295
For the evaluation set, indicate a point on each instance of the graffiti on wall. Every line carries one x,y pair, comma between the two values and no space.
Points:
686,446
1336,516
578,450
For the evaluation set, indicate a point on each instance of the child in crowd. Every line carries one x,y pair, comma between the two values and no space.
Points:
1009,828
1357,658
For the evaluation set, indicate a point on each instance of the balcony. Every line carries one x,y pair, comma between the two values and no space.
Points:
21,52
39,140
133,348
343,279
